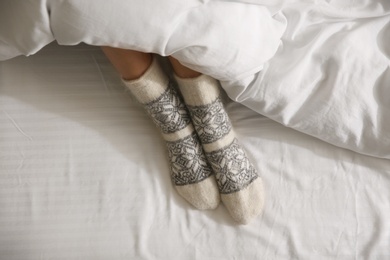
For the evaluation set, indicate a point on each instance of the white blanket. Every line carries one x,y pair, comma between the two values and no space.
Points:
320,67
331,76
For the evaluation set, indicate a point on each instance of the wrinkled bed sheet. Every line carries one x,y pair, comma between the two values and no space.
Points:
320,67
84,175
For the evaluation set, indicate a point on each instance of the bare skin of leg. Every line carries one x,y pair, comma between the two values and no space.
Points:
181,70
133,64
130,64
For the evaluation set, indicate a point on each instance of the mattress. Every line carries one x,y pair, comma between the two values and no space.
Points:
84,175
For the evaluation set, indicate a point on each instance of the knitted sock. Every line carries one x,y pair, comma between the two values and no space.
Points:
190,171
240,187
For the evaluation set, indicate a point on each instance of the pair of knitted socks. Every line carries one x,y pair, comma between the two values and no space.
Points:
207,162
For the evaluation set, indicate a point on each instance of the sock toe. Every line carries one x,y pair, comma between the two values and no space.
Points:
202,195
247,203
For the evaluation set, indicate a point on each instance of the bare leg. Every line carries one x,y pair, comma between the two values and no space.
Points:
130,64
182,71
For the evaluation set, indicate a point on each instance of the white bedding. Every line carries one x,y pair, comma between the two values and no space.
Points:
83,175
320,67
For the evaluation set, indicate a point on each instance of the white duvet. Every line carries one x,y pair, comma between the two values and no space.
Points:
320,67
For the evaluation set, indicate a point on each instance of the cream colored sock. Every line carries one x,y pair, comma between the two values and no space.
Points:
190,170
240,187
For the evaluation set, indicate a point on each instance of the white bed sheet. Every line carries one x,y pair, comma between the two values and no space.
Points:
83,175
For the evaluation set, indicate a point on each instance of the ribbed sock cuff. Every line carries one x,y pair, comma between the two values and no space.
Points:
150,86
199,91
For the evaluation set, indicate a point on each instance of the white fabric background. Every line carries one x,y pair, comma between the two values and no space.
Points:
330,78
324,65
83,175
